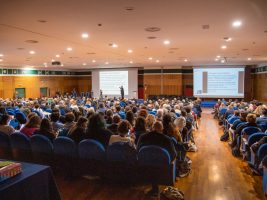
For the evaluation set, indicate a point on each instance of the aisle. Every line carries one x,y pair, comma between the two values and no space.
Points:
216,174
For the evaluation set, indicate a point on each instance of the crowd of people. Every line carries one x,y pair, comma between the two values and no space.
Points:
166,123
236,116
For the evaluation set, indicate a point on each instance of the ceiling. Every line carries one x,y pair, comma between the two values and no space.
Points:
58,24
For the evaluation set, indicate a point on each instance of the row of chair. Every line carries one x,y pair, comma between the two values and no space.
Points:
151,164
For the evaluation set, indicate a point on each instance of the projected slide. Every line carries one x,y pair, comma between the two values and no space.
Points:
110,81
219,82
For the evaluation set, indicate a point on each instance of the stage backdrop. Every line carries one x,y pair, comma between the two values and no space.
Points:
109,81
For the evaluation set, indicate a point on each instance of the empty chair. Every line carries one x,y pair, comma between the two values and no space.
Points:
122,160
42,150
66,155
92,157
155,165
5,148
21,147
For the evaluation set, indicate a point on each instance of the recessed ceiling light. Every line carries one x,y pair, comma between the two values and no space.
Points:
106,63
223,46
227,39
237,23
84,64
62,65
150,58
216,59
166,42
222,61
185,60
218,56
32,52
114,45
69,49
131,62
93,61
130,51
1,55
85,35
1,60
249,59
57,55
52,60
157,61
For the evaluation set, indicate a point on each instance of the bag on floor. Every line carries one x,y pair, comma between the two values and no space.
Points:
183,168
224,137
192,148
236,151
171,193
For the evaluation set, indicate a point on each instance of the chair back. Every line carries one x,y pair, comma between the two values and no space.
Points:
240,124
41,144
64,146
21,147
153,156
121,152
250,130
262,152
255,137
5,148
14,123
91,150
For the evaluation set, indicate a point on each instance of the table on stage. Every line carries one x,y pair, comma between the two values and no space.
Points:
35,182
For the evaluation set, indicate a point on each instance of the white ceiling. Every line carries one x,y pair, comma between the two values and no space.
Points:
180,22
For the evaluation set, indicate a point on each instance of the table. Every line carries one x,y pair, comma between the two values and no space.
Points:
35,182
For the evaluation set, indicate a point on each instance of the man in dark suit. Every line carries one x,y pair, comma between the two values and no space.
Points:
122,92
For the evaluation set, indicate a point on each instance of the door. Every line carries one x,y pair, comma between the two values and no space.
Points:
43,92
20,92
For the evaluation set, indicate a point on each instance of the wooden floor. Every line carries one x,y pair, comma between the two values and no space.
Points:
216,175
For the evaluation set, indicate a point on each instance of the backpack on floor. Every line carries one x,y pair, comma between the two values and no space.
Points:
224,137
171,193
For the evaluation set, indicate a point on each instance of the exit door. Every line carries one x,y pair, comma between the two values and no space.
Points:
43,92
20,92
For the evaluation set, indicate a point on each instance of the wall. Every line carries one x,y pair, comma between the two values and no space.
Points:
32,84
260,86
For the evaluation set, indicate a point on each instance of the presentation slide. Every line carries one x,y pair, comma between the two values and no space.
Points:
111,81
219,82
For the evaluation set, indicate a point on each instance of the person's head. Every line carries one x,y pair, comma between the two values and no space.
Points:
251,118
123,128
45,125
243,115
140,124
2,110
101,105
69,117
167,119
109,113
150,120
62,119
134,109
130,117
4,119
236,113
34,122
118,108
143,113
54,116
158,127
264,112
188,109
116,119
180,123
31,115
183,113
82,122
95,123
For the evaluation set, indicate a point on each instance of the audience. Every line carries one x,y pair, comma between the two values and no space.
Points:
4,124
77,132
31,126
46,130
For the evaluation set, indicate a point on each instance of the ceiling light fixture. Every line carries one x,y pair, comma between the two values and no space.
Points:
57,55
93,61
32,52
62,65
185,60
223,61
1,55
84,64
223,46
166,42
52,60
85,35
131,62
227,39
1,60
114,45
130,51
106,63
69,49
157,61
216,59
249,59
218,56
150,58
237,23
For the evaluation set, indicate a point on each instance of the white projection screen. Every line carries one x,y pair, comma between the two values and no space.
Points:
219,82
109,81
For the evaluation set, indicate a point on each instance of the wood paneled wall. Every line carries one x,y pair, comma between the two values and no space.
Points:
32,84
260,87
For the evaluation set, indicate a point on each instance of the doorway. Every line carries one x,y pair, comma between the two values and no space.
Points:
20,92
43,92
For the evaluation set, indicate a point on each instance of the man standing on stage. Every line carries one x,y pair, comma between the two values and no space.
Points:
122,92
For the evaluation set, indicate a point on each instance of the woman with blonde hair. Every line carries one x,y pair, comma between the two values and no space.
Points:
150,120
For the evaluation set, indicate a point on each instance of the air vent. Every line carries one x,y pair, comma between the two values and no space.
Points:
173,49
244,49
171,52
129,8
42,21
20,48
265,31
31,41
90,53
151,37
205,27
152,29
56,63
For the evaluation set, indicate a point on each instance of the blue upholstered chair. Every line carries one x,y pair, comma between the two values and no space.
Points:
251,140
66,155
5,148
122,160
14,123
42,150
92,157
264,180
155,165
262,152
21,147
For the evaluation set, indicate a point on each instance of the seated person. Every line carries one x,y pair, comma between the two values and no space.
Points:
46,130
114,126
4,127
56,125
77,133
31,126
140,128
156,137
262,120
96,130
123,130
